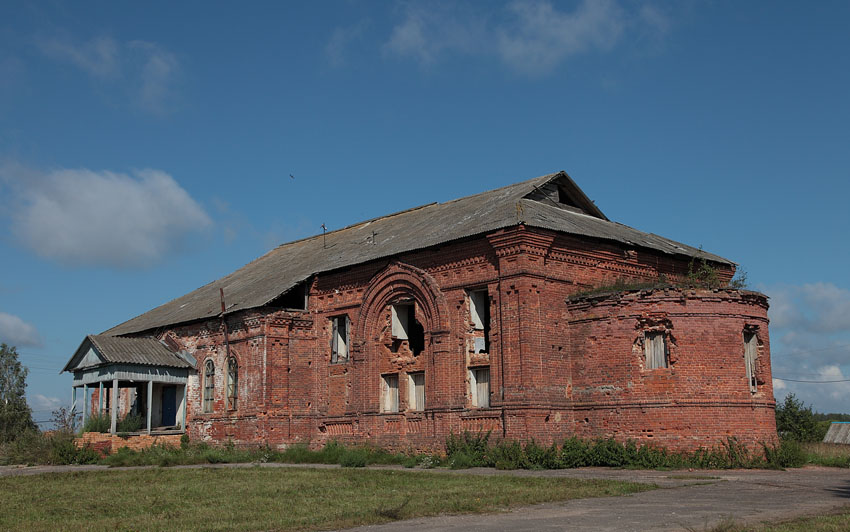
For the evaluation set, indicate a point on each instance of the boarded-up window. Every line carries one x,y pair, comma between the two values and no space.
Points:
209,385
751,351
232,383
401,320
389,393
479,317
339,339
416,391
655,348
406,327
478,308
479,385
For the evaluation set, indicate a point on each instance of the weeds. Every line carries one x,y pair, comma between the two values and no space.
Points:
97,423
471,450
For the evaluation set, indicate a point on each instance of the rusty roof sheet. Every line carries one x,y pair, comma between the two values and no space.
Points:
266,278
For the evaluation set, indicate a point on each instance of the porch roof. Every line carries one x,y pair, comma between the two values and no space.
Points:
98,350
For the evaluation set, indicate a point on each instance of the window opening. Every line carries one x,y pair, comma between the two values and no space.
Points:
750,355
389,402
339,339
209,385
232,383
479,385
296,298
655,348
416,391
406,327
479,316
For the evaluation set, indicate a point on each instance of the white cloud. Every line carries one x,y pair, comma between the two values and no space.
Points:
542,36
99,56
425,34
810,341
15,331
83,217
159,67
42,405
529,36
341,40
145,70
816,307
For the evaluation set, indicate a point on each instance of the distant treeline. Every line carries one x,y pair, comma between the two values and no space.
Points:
830,417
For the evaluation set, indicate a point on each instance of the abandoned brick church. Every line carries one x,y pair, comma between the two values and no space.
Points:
459,316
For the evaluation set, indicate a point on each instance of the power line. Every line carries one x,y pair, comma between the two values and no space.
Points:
812,382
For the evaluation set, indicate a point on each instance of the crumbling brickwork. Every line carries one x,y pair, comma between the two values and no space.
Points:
518,358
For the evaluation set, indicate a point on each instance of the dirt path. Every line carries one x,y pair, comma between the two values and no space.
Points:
694,500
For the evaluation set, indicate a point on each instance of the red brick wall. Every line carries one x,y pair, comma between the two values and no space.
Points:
289,391
702,396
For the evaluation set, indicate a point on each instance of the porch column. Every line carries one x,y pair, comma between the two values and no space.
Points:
185,407
85,400
73,407
114,412
150,404
100,399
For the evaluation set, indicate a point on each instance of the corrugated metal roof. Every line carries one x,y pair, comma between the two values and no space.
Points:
839,432
120,350
281,269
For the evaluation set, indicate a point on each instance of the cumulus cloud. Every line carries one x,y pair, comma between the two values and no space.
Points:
42,405
145,70
541,36
810,333
17,332
425,34
529,36
84,217
816,307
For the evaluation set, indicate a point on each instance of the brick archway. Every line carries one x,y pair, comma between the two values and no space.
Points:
403,281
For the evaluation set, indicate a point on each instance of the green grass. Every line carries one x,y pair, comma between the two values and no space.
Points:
827,454
268,498
200,453
838,521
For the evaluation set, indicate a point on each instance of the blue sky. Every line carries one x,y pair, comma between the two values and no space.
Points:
146,149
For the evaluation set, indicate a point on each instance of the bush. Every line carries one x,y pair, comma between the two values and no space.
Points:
607,453
507,455
474,446
97,423
788,453
574,453
795,421
130,423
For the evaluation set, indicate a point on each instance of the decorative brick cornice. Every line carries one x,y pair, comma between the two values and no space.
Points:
520,240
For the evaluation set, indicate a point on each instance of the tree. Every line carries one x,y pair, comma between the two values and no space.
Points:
795,421
15,413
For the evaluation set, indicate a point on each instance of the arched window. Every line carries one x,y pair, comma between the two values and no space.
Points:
209,385
232,383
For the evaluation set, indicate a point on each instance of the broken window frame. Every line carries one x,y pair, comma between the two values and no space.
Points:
479,386
340,343
751,353
209,385
232,387
416,391
389,393
405,326
655,349
479,316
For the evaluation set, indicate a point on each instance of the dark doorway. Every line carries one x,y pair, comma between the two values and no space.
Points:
169,406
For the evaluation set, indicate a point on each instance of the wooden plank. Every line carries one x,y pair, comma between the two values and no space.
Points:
114,414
